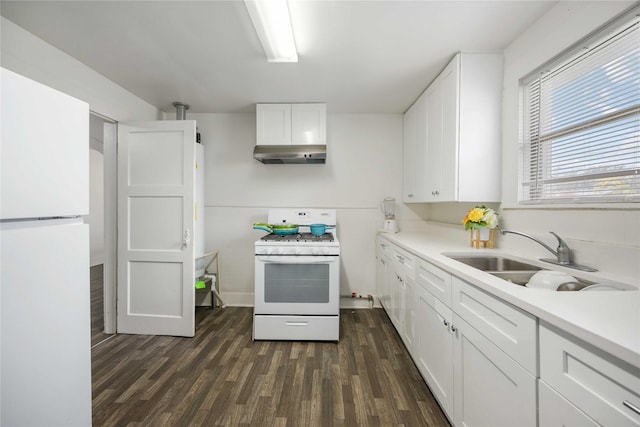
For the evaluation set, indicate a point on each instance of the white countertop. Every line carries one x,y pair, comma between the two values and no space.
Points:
609,320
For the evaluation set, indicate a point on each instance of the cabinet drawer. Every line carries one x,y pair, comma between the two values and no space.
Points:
510,328
556,411
435,280
602,386
298,328
406,262
384,248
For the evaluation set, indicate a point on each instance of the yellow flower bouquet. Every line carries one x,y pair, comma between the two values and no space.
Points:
480,217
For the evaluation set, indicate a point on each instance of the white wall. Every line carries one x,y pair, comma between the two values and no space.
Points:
26,54
364,156
605,236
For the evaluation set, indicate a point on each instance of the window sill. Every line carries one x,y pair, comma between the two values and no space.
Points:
574,207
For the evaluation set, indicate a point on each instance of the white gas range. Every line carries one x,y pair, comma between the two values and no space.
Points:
297,279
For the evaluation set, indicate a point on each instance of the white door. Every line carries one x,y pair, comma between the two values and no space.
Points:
156,179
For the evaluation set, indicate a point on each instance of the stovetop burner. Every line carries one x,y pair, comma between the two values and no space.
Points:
299,237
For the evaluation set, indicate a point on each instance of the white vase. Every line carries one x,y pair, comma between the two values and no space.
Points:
484,233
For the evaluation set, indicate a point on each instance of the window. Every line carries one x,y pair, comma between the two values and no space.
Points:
580,123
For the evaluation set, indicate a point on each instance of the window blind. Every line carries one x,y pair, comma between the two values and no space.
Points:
581,124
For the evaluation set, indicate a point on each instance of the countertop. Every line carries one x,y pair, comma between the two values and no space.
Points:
609,320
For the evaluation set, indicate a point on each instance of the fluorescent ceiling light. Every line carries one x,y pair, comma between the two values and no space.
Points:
273,24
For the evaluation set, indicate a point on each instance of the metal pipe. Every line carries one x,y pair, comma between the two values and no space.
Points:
181,110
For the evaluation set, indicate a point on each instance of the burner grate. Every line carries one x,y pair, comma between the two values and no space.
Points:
299,237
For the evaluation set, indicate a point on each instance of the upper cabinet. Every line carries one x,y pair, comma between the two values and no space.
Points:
291,124
452,134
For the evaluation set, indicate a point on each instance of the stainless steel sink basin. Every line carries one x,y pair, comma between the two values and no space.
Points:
518,272
516,277
494,263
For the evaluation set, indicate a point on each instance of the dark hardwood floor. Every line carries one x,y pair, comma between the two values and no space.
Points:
223,378
97,310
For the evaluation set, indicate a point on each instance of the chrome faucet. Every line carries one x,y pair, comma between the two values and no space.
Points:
562,252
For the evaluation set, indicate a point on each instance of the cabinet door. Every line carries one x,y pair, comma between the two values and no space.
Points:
448,180
381,278
273,124
308,123
396,284
556,411
605,388
491,389
409,315
434,342
433,141
408,145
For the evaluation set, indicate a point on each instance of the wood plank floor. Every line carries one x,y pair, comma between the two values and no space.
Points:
97,304
222,378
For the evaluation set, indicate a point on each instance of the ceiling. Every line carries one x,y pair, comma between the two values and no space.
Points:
357,56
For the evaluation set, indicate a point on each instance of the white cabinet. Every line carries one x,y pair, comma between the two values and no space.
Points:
434,346
396,288
603,387
490,388
291,124
408,313
510,328
435,280
383,263
414,151
454,134
556,411
476,353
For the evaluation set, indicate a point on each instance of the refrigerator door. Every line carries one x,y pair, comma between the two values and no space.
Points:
46,339
45,151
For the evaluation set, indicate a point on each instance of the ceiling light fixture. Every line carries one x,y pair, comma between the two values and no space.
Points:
272,22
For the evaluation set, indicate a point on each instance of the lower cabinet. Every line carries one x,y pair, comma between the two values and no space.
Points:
434,347
475,382
556,411
408,313
490,388
603,387
489,363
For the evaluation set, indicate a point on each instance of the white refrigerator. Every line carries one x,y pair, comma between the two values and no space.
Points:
45,347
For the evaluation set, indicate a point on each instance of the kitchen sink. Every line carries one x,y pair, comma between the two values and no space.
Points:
494,263
516,277
519,273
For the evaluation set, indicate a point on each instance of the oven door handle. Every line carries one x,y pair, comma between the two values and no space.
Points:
292,259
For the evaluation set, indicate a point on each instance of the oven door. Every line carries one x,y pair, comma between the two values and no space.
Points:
297,285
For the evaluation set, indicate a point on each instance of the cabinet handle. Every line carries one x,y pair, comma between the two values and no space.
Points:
631,406
445,323
409,195
453,328
437,193
290,323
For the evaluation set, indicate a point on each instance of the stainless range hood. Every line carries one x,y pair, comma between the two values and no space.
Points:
287,154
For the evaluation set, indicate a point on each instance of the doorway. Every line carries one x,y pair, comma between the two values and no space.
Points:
100,235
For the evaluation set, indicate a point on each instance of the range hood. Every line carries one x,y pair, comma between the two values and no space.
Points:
287,154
